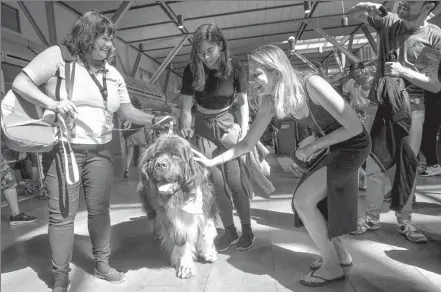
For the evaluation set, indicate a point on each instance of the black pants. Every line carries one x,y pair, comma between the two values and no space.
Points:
431,130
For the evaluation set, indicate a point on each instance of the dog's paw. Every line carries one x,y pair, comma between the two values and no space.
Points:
210,256
186,269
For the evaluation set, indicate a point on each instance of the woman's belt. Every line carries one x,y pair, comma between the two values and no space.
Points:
205,111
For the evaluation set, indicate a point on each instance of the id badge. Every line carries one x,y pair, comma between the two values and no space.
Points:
108,120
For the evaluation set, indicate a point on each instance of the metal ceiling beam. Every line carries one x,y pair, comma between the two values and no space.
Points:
215,15
134,7
123,67
137,60
68,7
226,28
344,40
304,60
51,22
304,24
339,61
119,13
33,23
334,42
248,37
167,60
173,17
351,42
167,78
370,38
293,62
76,12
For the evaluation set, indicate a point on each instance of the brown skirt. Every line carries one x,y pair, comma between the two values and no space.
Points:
340,207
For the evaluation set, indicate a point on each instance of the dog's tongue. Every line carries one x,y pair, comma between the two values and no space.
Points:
167,188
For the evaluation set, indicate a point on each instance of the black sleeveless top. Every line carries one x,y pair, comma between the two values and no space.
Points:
323,118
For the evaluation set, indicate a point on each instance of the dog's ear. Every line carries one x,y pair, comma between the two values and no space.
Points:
146,161
195,173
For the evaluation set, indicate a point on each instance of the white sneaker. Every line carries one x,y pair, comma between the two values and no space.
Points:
431,170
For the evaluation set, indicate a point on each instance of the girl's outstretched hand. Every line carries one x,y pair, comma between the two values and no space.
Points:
199,157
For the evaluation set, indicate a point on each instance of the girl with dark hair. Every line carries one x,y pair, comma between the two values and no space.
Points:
215,80
98,92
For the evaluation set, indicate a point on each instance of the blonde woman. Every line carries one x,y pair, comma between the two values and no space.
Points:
326,197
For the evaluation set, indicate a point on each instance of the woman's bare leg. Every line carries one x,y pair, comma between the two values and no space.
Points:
308,195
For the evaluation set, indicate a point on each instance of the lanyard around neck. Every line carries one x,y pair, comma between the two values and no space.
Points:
103,88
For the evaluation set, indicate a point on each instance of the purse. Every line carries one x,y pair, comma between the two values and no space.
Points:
23,129
308,165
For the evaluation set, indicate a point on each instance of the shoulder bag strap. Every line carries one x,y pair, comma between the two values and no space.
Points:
69,81
309,108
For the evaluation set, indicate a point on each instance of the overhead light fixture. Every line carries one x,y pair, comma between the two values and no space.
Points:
292,44
307,6
344,21
180,21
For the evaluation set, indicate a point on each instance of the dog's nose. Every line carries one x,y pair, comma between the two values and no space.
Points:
162,165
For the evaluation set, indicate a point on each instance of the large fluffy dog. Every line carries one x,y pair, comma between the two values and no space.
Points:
179,198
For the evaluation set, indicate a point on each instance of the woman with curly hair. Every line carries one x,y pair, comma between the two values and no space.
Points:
98,91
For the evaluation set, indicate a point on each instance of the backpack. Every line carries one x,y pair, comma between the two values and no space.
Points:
23,129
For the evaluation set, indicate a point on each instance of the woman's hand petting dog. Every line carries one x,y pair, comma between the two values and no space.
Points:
202,159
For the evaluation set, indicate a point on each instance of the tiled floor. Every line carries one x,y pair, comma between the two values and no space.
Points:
383,260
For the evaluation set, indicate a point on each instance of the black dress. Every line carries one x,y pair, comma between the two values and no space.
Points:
340,207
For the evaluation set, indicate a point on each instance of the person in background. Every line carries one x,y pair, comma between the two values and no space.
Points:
140,137
99,91
431,130
405,34
326,197
8,180
357,88
215,81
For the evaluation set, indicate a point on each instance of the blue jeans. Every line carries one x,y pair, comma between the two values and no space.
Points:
95,164
376,180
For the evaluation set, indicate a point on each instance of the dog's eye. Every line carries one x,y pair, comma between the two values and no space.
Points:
176,157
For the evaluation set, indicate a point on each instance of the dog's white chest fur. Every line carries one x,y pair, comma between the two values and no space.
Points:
194,205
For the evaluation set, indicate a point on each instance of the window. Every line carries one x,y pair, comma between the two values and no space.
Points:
145,75
10,18
9,73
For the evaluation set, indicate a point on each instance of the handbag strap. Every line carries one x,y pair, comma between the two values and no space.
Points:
76,174
69,81
307,103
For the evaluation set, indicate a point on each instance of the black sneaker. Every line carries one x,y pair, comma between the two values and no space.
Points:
228,239
126,173
21,218
246,241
